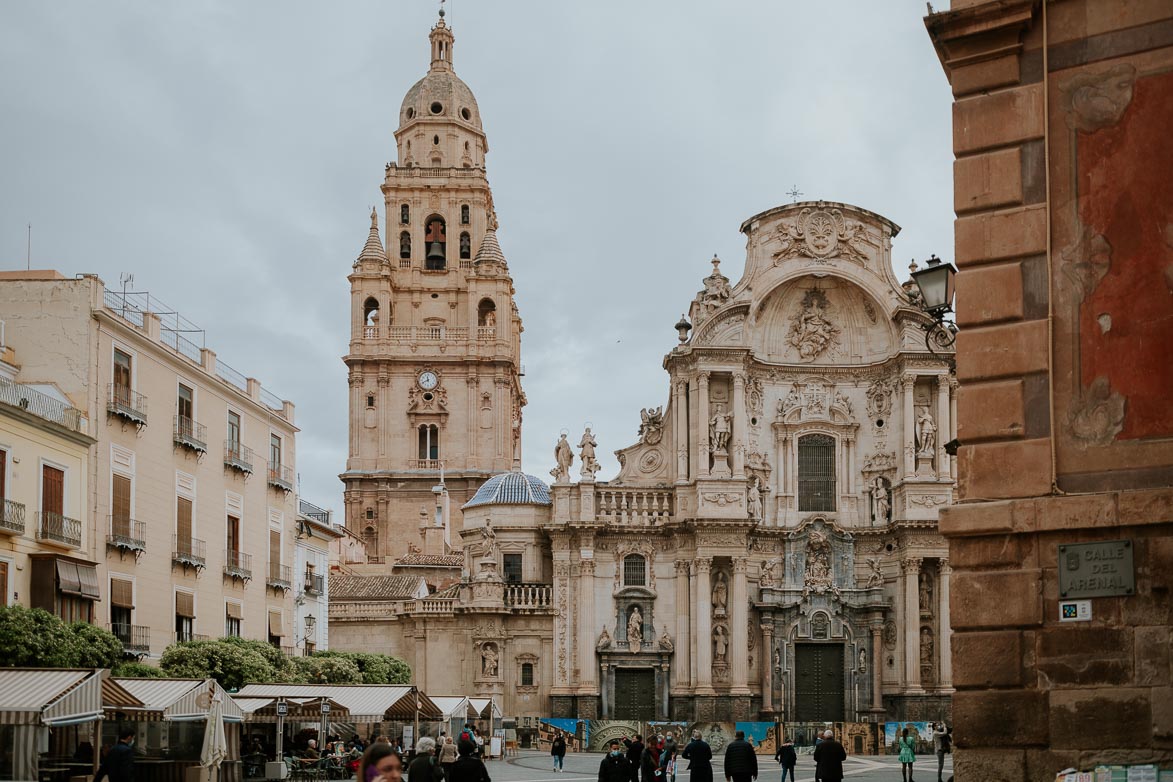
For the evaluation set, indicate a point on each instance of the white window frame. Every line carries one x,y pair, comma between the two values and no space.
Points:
65,486
183,381
124,348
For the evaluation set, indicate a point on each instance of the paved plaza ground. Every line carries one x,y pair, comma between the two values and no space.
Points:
532,766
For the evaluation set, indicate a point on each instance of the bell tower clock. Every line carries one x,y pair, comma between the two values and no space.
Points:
435,380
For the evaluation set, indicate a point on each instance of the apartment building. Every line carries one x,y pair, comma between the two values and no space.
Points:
311,617
188,515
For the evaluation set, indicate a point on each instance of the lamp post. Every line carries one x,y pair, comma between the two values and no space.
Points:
310,621
935,283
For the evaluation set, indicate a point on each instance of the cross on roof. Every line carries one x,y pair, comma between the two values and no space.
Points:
794,194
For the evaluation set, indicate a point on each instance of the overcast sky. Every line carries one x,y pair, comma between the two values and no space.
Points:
228,153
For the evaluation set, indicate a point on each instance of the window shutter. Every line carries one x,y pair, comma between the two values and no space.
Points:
53,490
120,507
185,604
183,521
121,593
233,610
276,627
274,547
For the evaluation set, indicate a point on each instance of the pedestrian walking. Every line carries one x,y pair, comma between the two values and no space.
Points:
448,755
118,764
614,767
741,764
787,758
649,761
700,759
468,767
635,751
668,761
558,752
829,757
424,767
907,746
942,745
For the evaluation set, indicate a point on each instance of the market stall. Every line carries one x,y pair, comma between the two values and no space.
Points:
456,712
489,723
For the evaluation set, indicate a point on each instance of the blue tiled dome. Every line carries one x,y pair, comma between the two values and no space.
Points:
510,488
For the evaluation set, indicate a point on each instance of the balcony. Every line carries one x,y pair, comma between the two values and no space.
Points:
238,457
314,585
634,508
55,528
136,639
128,404
11,518
370,332
189,552
280,477
190,435
238,565
183,635
425,464
486,333
280,576
126,534
41,405
529,595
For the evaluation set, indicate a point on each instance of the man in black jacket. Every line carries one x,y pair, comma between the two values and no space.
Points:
614,767
635,750
119,762
829,757
741,764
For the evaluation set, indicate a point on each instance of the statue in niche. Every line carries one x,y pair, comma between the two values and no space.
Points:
586,454
489,660
881,504
811,332
488,543
563,457
876,575
754,501
777,658
651,427
926,592
635,630
818,562
666,644
491,319
926,431
769,576
720,643
719,428
926,651
863,661
604,641
720,593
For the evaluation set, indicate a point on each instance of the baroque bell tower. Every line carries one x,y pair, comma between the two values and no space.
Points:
435,342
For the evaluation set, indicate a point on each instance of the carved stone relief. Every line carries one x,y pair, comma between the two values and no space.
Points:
879,462
821,234
1086,262
811,330
1091,101
879,396
1097,416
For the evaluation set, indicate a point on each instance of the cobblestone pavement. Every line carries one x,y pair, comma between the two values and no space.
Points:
532,766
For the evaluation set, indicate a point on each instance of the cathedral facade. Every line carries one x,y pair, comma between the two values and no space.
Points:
769,547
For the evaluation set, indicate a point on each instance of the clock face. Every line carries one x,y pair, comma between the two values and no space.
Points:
428,380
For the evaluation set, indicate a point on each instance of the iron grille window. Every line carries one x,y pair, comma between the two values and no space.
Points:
634,570
512,563
816,473
527,674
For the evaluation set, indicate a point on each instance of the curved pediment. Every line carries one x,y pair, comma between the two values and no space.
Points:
725,328
822,320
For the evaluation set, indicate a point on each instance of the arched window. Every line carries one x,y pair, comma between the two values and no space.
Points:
527,674
370,400
487,314
370,312
634,571
404,214
405,245
370,538
816,473
464,210
435,243
465,246
429,442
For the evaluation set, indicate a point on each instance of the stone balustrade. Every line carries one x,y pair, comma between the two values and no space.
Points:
529,595
633,507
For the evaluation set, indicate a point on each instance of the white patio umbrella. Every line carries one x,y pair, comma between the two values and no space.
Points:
215,749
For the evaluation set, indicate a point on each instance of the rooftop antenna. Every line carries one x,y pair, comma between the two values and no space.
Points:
794,194
126,279
28,250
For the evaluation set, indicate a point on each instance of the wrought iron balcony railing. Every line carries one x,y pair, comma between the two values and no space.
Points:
126,534
238,457
280,576
314,585
183,635
127,403
280,477
42,405
189,552
237,564
190,434
11,518
55,528
136,639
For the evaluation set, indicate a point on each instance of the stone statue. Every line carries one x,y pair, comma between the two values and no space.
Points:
754,501
720,593
769,576
586,454
863,661
876,576
666,642
777,658
488,543
792,400
489,659
719,427
720,643
926,592
926,431
635,630
811,332
651,427
604,641
882,504
491,319
563,457
818,562
926,648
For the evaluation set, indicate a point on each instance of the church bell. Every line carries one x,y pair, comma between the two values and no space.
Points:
435,251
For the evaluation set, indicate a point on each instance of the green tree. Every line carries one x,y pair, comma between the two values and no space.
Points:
375,668
317,669
94,647
136,670
283,668
232,665
32,637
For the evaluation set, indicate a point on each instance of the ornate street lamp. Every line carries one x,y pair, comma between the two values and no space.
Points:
935,283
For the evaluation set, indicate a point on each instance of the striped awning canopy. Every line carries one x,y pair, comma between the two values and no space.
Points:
57,696
298,709
485,708
454,707
365,702
175,700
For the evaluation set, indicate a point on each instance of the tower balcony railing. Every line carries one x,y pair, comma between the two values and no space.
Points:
189,552
126,534
633,507
127,403
56,528
370,332
190,434
280,476
485,333
427,333
529,595
11,518
238,457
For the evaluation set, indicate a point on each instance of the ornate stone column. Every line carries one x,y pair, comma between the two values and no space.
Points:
945,645
702,428
587,632
680,413
909,427
943,426
953,423
690,640
911,568
605,690
768,667
877,667
563,624
680,669
704,627
739,632
740,434
472,386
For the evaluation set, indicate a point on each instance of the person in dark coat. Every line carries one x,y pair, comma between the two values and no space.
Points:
700,759
614,766
787,758
741,764
558,752
118,764
468,767
649,762
635,750
424,767
829,757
